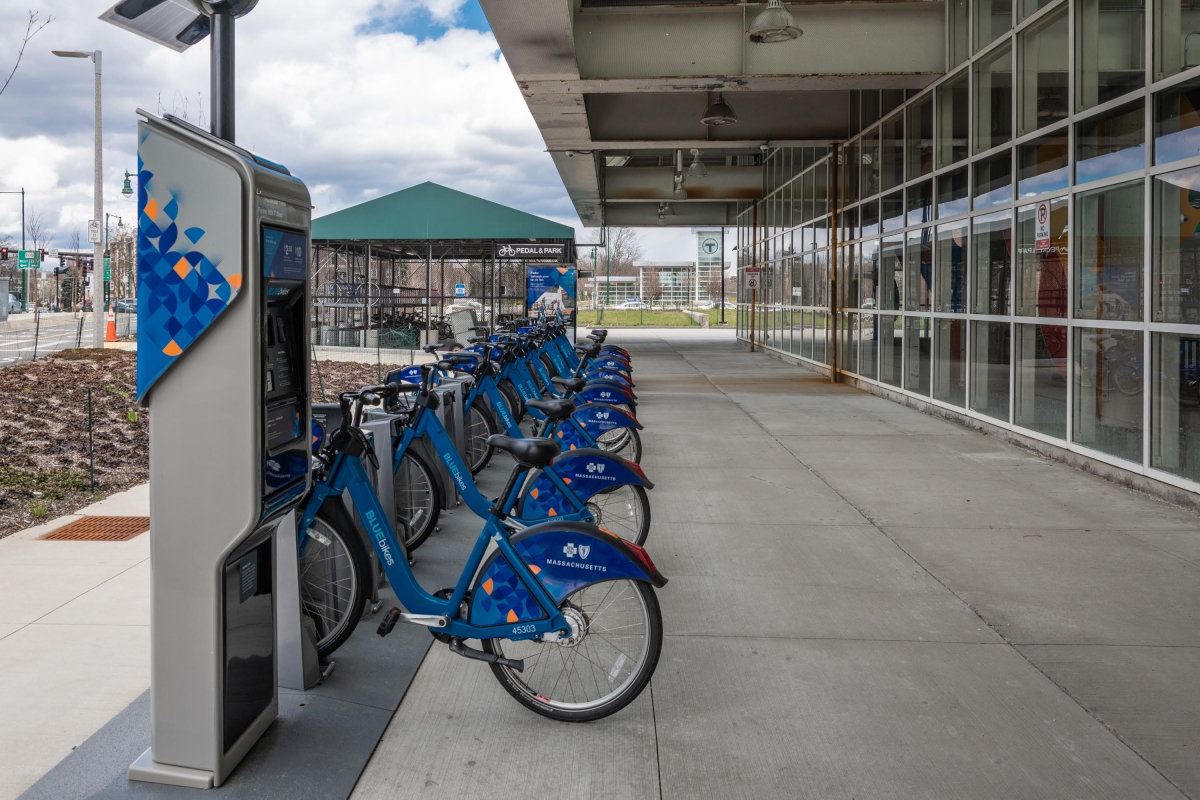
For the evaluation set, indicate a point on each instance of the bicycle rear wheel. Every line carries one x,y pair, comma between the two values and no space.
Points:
624,442
415,490
335,572
623,511
480,424
609,657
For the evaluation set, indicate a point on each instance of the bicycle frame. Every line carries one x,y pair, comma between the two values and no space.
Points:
347,473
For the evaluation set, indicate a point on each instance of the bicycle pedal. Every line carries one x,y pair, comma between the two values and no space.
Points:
388,622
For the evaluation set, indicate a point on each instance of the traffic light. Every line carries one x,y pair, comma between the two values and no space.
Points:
42,255
3,254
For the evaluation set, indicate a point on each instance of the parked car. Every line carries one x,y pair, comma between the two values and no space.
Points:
631,305
126,305
14,304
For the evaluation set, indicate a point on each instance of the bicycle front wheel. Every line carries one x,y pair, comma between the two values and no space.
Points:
418,501
334,574
605,662
623,511
480,424
623,441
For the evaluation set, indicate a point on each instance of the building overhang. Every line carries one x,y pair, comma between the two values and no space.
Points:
618,88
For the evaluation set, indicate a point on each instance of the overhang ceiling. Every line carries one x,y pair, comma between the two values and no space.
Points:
614,77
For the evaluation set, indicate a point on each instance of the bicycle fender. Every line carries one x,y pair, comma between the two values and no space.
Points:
565,557
599,393
586,471
611,362
597,418
612,377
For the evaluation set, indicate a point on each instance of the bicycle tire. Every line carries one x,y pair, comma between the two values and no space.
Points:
623,511
515,404
625,442
534,694
343,563
480,424
417,494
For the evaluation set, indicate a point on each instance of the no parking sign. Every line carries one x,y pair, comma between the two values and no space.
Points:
1041,228
752,278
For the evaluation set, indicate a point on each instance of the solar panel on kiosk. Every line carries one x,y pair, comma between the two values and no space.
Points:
176,24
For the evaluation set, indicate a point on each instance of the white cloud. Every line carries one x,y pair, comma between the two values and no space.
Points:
354,115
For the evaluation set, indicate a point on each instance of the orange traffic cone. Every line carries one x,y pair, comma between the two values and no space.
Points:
110,335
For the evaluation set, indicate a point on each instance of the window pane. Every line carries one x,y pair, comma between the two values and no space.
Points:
821,188
870,217
949,363
850,166
958,20
890,100
1042,165
868,272
892,153
847,271
1177,44
869,182
952,193
848,361
1027,8
1108,391
1109,232
1110,50
918,270
821,279
920,203
917,354
993,263
1041,376
1176,284
951,284
920,137
806,194
993,180
993,19
891,350
868,355
953,118
1111,144
892,209
1042,274
870,107
849,224
799,290
819,337
806,334
1177,120
993,100
1175,405
989,368
891,274
1043,49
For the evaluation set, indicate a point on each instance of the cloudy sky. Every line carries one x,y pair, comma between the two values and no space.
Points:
357,97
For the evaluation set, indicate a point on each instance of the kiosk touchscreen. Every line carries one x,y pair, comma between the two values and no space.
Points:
223,344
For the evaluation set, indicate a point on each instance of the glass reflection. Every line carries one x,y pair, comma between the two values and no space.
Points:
992,250
891,274
1177,119
1176,285
1111,144
949,365
1108,278
1175,404
989,368
918,270
1042,266
1108,391
1040,401
1044,77
918,351
891,350
950,287
1043,165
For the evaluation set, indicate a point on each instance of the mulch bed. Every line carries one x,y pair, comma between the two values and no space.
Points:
44,430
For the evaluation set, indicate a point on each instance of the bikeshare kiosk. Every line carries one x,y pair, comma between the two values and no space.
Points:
223,242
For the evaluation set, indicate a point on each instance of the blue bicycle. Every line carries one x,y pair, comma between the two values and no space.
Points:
565,611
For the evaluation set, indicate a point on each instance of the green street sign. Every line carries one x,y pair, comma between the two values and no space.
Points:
28,259
107,268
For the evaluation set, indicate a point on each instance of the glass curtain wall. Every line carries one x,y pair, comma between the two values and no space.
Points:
1020,240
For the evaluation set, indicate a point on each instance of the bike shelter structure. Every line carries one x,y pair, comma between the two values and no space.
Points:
223,245
390,272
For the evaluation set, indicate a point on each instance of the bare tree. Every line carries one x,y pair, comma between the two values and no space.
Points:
32,29
40,236
715,287
624,248
652,287
76,273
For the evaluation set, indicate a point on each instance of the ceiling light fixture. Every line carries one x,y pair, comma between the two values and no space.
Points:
719,113
697,168
774,24
680,193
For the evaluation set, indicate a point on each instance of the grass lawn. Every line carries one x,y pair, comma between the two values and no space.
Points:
656,319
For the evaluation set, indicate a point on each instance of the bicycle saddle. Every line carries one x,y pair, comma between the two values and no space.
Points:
554,409
535,453
570,384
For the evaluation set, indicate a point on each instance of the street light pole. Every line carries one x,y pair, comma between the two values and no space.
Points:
97,202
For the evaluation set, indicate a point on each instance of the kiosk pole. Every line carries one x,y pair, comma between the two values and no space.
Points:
221,75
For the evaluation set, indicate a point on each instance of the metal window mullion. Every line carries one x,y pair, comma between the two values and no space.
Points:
1147,281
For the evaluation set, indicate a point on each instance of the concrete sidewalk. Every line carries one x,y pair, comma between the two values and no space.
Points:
74,638
865,602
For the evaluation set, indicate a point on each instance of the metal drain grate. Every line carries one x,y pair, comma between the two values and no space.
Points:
100,529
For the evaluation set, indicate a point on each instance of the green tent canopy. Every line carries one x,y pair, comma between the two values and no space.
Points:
429,212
